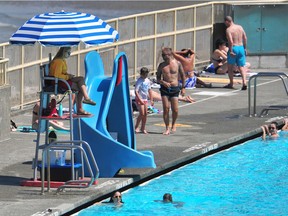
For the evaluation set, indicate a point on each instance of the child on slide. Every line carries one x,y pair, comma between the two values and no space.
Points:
142,89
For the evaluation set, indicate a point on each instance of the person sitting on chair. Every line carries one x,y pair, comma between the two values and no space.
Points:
58,68
58,125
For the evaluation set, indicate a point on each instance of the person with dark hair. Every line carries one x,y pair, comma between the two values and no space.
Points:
237,41
219,57
116,198
142,93
167,197
59,69
186,58
58,125
270,130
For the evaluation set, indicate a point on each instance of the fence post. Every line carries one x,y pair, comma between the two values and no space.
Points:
5,96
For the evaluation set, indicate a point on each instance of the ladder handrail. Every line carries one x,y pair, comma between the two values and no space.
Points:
262,74
69,145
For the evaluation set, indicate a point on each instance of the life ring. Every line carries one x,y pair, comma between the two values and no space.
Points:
119,72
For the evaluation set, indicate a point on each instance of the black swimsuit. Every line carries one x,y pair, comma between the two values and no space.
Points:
218,60
173,91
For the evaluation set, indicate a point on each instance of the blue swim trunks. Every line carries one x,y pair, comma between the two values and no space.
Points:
189,82
239,59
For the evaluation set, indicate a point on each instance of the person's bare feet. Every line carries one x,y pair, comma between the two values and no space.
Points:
137,130
144,131
173,129
167,132
190,99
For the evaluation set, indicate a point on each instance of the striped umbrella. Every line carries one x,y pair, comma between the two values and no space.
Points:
64,29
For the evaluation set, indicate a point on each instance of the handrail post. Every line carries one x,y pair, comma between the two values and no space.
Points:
69,145
262,74
249,96
255,92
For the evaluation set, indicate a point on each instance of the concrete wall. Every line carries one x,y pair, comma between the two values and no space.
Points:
5,110
268,61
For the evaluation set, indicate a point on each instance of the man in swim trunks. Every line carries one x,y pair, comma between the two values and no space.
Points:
168,74
237,42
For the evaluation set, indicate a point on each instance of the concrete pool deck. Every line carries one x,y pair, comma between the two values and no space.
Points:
219,118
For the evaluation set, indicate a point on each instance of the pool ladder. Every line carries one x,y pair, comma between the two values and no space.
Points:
265,111
70,145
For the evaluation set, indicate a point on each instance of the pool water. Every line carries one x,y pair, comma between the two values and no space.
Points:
248,179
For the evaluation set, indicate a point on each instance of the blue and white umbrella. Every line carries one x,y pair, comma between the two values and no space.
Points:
65,29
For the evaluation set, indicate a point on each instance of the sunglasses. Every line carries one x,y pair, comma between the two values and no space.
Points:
117,197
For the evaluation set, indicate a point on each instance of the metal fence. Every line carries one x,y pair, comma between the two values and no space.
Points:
141,37
3,70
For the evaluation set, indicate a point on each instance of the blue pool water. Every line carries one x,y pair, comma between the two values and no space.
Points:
249,179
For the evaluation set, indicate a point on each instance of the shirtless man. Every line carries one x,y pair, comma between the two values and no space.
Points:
186,58
167,76
237,42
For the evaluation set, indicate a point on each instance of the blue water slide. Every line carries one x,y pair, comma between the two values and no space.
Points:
110,132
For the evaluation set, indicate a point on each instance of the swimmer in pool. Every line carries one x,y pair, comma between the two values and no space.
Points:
167,198
270,130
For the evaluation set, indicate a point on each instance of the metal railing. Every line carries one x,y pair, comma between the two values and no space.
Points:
281,75
141,37
73,183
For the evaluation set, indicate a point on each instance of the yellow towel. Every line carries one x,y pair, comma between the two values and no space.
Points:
218,80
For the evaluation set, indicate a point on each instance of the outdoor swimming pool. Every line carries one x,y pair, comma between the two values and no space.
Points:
248,179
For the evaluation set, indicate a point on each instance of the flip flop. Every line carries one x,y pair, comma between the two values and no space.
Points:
244,87
89,101
228,86
85,113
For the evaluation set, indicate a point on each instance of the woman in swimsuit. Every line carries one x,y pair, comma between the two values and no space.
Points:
219,57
